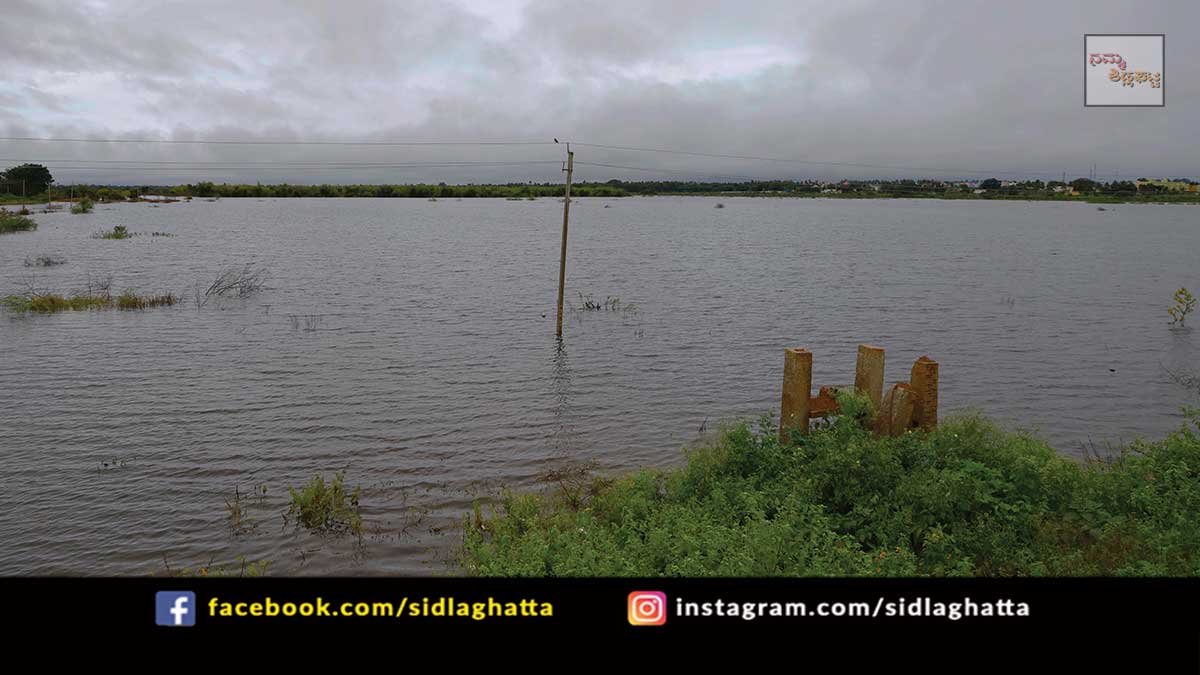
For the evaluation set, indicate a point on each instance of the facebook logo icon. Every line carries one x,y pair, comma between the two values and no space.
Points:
175,608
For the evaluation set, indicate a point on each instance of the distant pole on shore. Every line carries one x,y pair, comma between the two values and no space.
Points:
562,257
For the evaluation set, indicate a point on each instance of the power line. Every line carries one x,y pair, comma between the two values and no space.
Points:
265,142
229,165
705,174
810,162
185,169
256,163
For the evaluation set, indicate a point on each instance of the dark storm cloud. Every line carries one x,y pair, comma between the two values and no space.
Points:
946,88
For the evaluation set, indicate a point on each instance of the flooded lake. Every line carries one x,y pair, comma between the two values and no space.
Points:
411,344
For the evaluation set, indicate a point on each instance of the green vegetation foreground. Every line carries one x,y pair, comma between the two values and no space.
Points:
966,499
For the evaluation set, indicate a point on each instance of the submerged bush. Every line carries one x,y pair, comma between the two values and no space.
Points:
964,500
84,205
1185,303
15,222
327,507
118,232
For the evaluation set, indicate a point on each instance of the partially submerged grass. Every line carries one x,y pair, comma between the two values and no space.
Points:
118,232
45,261
15,222
233,282
966,499
326,508
49,303
610,303
122,232
305,322
243,568
131,300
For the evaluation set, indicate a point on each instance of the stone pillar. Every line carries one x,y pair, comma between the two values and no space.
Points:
924,382
797,387
868,373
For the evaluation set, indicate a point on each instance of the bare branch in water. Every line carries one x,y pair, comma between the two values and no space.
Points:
234,282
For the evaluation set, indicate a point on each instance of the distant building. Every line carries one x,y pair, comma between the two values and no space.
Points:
1177,185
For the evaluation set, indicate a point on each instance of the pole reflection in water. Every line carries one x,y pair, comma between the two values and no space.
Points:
564,429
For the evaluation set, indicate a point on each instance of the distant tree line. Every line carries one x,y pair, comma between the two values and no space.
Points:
35,179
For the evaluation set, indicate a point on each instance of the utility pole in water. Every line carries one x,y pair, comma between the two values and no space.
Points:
562,257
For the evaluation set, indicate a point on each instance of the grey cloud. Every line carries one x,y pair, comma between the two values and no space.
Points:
930,85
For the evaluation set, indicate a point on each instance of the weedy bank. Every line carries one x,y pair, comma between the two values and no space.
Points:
967,499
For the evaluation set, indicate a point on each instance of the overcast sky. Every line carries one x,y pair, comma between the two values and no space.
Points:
956,88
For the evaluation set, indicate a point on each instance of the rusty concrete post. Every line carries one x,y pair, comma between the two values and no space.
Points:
797,388
924,381
868,374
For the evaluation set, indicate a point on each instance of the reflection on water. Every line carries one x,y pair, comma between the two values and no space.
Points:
564,427
433,375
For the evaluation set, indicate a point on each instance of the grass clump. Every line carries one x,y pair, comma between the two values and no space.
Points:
326,507
15,222
966,499
84,205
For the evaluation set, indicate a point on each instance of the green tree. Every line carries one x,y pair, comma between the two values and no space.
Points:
990,184
36,178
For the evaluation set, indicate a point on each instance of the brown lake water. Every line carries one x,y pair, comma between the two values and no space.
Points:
432,374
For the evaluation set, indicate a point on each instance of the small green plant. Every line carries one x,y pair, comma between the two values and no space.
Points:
84,205
1185,303
15,222
326,507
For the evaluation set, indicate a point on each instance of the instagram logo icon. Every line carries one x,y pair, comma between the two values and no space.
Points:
647,608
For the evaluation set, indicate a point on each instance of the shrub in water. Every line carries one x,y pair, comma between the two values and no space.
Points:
15,222
327,507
